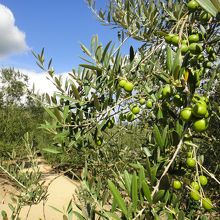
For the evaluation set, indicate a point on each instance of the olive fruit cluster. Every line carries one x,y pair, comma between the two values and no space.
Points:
193,6
148,103
195,194
191,44
198,113
172,39
135,109
195,186
126,85
206,59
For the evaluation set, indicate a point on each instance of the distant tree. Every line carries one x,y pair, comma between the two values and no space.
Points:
19,113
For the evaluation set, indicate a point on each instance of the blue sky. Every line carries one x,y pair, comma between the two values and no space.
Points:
59,26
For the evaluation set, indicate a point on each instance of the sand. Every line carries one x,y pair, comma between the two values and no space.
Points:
60,192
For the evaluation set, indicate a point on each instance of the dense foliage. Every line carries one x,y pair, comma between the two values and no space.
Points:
146,124
167,91
19,112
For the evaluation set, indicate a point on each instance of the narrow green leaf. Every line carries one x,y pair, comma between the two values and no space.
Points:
78,215
42,52
127,181
169,59
96,102
105,51
52,115
88,61
70,209
157,136
146,191
208,6
141,176
90,67
75,90
156,216
65,112
177,64
134,192
85,50
179,128
164,135
148,168
58,115
49,64
216,3
117,61
158,196
167,196
94,43
118,198
147,151
98,53
114,205
51,150
181,215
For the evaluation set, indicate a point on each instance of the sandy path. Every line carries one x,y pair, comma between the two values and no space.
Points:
60,192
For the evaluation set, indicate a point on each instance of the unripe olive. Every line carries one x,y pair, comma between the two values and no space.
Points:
192,5
193,38
205,16
195,48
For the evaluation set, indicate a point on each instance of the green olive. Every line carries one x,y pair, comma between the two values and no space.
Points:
200,125
193,38
175,40
195,48
205,16
168,38
184,48
166,92
186,114
193,5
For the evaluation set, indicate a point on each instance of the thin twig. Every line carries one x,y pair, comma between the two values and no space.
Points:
12,177
141,61
168,166
139,213
210,174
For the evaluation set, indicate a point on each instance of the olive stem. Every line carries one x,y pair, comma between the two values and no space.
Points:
168,166
210,174
202,167
12,177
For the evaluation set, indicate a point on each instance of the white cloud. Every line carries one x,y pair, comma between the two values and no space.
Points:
12,40
40,81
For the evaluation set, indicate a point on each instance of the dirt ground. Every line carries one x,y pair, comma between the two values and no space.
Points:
60,192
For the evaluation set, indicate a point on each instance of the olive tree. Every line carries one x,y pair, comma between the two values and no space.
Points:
166,87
